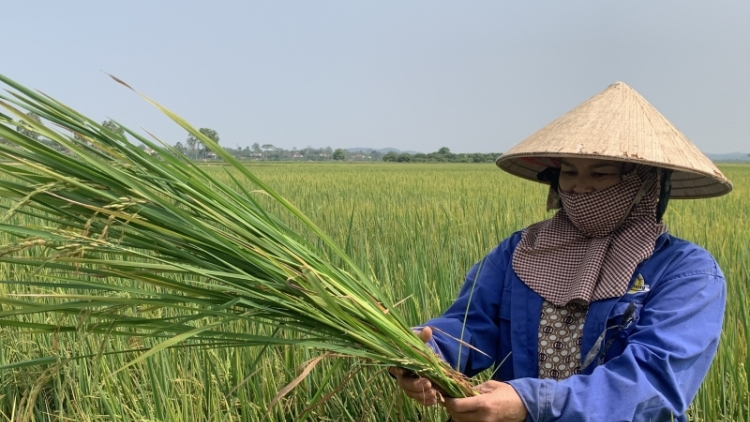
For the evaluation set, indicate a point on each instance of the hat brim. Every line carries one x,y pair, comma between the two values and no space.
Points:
618,124
685,184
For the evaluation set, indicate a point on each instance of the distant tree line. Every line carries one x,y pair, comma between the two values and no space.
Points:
23,128
269,152
194,149
443,155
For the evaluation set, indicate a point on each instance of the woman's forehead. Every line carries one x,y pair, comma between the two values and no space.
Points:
590,163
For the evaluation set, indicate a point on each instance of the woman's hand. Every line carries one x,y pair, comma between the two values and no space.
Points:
498,402
415,387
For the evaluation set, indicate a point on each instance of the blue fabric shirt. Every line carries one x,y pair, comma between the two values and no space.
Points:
650,369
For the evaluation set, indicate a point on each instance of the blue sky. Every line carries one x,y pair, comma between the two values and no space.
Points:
474,76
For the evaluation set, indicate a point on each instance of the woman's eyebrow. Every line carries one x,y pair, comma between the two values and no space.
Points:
601,165
613,165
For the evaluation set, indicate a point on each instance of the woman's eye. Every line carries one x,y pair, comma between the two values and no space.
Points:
601,175
568,173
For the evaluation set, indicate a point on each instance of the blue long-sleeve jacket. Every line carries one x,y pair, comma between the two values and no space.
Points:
650,370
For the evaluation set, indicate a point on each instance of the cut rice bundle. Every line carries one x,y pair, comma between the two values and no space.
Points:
147,232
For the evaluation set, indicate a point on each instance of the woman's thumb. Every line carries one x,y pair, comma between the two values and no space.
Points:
426,334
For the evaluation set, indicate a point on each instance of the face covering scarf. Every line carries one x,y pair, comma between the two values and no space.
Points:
589,250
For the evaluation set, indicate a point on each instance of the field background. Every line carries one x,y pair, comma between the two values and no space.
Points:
417,228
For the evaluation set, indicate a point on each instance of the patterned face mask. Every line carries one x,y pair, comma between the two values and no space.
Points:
590,248
598,214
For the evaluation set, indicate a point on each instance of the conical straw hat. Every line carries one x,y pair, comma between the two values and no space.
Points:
618,124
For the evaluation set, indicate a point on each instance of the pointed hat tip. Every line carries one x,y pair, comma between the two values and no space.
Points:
619,84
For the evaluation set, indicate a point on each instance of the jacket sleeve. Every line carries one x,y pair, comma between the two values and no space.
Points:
475,311
667,356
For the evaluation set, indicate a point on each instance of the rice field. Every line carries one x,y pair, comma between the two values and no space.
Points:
417,228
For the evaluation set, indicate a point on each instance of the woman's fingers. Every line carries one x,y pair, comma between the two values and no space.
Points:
417,388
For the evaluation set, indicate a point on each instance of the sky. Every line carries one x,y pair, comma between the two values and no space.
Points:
475,76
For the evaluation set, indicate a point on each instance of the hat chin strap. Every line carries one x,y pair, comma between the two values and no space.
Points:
647,185
666,188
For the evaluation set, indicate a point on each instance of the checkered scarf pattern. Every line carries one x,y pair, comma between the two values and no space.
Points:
580,253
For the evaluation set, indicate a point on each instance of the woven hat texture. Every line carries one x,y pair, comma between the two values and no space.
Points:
619,124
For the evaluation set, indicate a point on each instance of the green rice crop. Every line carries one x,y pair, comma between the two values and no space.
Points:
417,229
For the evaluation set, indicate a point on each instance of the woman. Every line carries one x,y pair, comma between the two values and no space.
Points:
597,314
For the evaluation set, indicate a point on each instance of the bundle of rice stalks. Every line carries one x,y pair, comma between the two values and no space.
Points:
140,232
